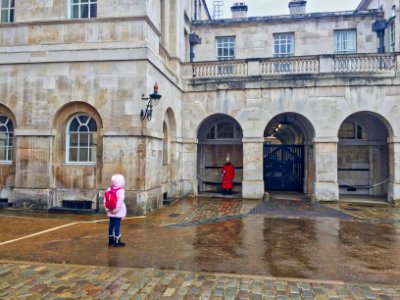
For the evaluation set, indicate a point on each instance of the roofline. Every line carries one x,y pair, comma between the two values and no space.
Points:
363,5
295,17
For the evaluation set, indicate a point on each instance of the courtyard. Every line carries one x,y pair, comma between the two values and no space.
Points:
206,248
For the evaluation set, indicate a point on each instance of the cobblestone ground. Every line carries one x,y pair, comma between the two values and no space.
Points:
42,281
215,235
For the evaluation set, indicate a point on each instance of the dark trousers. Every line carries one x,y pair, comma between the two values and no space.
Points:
114,227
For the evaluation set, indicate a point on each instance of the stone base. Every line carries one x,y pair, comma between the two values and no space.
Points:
326,191
253,189
37,199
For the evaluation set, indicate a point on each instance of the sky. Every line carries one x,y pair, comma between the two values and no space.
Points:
280,7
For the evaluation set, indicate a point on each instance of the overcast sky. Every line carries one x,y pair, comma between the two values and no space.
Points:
280,7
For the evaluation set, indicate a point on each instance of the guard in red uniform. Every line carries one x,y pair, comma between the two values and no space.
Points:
228,173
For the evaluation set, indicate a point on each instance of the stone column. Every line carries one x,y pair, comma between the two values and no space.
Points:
189,167
253,183
394,170
325,155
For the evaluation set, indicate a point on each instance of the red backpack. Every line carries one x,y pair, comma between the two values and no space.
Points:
111,198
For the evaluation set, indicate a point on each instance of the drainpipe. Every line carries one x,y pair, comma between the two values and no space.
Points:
196,4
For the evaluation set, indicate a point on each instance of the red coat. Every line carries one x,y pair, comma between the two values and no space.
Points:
228,171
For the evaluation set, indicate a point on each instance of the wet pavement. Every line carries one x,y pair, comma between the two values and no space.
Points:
201,246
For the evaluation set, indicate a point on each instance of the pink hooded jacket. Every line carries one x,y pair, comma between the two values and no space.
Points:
118,181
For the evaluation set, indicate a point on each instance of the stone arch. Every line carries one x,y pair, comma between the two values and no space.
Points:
170,163
288,153
67,176
7,174
218,135
363,155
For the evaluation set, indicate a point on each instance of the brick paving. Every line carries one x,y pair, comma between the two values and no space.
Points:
44,281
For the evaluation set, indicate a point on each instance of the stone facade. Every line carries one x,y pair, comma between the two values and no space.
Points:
54,68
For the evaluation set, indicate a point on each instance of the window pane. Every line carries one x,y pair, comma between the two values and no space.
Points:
93,10
92,125
10,139
92,154
83,119
3,139
4,16
3,128
75,11
93,140
84,11
83,154
9,154
73,154
225,130
73,127
3,119
84,140
5,4
3,153
73,139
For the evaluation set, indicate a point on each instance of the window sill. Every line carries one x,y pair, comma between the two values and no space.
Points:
80,164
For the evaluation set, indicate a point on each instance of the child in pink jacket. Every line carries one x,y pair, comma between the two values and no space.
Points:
116,215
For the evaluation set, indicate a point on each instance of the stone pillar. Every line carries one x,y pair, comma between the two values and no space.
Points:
253,183
325,155
189,167
394,170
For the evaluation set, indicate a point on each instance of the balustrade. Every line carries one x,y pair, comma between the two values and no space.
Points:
376,63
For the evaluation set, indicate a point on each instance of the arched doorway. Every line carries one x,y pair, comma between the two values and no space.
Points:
288,163
218,136
170,186
363,155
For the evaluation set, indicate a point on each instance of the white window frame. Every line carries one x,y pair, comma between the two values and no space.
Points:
392,36
285,42
80,4
228,43
8,147
90,148
345,41
9,8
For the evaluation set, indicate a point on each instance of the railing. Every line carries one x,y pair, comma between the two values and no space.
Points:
292,65
220,69
359,63
370,63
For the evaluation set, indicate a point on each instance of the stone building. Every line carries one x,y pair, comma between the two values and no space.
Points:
305,101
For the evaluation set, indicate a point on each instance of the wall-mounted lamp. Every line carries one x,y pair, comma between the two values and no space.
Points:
153,99
394,11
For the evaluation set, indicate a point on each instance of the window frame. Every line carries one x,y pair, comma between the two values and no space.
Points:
8,149
89,3
392,35
68,141
288,44
10,11
357,130
225,44
345,41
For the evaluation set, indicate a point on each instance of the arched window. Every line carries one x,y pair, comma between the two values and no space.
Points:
81,140
351,130
6,139
225,129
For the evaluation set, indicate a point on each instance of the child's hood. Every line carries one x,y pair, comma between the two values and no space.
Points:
118,181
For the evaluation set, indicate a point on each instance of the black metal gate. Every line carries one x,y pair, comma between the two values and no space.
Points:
283,167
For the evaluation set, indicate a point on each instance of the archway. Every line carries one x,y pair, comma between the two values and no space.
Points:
363,155
218,136
288,163
170,160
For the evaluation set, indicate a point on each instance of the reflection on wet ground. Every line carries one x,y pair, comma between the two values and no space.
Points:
274,238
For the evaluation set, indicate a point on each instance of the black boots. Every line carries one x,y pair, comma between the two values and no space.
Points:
111,240
118,242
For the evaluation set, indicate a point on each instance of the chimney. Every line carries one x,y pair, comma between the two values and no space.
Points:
239,10
297,7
